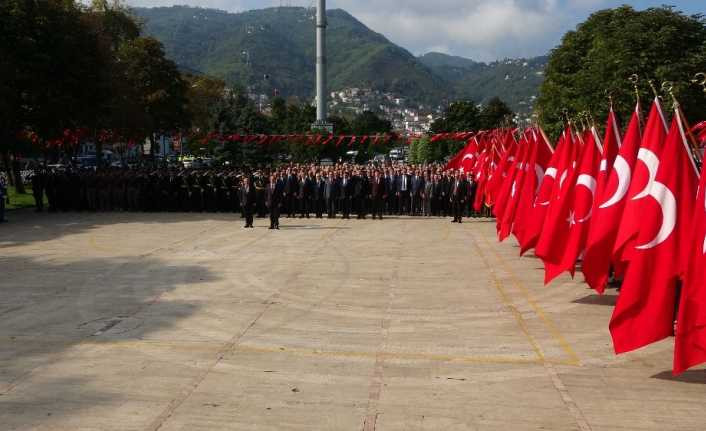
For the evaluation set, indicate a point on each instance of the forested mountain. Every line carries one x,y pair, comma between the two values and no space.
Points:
273,49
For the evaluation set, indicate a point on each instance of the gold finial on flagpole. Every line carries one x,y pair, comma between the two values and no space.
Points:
634,79
654,89
700,79
609,94
668,87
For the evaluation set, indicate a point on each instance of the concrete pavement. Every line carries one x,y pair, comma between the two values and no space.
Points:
189,322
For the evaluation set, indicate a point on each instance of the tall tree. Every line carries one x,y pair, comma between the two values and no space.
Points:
658,43
157,87
494,114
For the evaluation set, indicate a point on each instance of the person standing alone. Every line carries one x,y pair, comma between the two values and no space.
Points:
275,195
248,200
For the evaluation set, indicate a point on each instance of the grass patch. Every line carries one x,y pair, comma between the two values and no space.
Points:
21,201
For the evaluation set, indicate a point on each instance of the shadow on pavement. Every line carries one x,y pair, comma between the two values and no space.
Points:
691,376
26,226
77,310
609,300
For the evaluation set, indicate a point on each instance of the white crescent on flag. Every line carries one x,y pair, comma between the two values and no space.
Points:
590,183
551,172
623,171
666,200
651,161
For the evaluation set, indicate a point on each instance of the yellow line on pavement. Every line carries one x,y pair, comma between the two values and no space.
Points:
400,356
548,322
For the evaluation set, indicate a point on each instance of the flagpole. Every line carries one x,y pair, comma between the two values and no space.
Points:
668,87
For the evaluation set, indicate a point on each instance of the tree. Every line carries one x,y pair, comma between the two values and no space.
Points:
463,116
494,114
50,70
367,123
658,43
206,98
158,89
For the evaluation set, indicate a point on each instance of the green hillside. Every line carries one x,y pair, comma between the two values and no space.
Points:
515,81
274,49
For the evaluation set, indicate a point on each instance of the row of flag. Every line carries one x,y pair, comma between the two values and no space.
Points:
307,139
631,204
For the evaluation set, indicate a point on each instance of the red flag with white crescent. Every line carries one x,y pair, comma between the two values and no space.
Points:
577,210
546,193
538,162
643,175
690,342
610,202
520,175
660,249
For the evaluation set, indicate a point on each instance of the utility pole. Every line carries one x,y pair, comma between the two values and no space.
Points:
321,87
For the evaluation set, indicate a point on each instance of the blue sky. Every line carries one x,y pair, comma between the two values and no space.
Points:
479,29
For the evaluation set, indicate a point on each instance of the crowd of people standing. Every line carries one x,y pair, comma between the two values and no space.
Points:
295,190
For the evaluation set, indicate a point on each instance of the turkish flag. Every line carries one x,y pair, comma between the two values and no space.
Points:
690,344
520,173
537,165
548,190
482,177
492,169
497,176
660,249
610,202
555,230
467,153
577,208
508,190
643,175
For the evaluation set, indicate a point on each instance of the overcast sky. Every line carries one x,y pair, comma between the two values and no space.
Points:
478,29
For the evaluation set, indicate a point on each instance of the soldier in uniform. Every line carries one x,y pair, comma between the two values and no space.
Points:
4,197
39,180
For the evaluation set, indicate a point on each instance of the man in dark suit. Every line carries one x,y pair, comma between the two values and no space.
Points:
438,195
319,188
403,189
416,194
360,193
275,195
290,193
346,195
248,200
427,195
378,193
459,193
390,200
331,194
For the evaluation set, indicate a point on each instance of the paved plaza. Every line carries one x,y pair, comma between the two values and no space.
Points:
189,322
